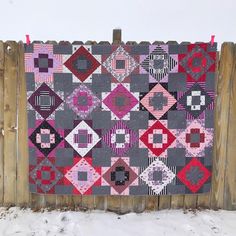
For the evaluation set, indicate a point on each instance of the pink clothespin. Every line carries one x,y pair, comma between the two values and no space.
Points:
212,40
27,39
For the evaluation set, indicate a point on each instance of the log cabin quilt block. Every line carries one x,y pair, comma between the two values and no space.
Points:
120,119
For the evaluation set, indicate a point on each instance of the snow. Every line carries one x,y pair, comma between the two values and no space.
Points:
140,20
15,221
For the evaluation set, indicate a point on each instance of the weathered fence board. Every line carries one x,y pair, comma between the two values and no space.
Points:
10,121
230,164
221,125
1,119
22,140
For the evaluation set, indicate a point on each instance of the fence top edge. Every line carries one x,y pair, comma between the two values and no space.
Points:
130,42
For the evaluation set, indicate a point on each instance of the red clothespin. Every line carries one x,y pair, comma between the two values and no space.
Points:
212,40
27,39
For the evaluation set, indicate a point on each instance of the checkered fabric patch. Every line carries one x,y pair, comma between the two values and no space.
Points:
120,119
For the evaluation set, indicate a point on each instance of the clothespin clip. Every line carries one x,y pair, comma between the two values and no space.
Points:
27,39
212,40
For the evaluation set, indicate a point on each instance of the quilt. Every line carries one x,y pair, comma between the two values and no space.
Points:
120,119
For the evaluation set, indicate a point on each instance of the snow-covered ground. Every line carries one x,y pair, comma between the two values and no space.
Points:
97,223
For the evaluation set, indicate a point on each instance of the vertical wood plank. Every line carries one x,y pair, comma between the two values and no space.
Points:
190,201
230,174
22,134
221,125
117,36
87,202
177,201
126,204
77,200
164,202
100,202
1,119
151,203
203,201
10,122
139,204
113,203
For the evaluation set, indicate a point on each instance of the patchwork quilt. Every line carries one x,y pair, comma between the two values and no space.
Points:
120,119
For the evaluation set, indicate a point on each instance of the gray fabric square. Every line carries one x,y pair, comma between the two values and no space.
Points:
194,138
140,49
31,119
120,176
83,100
138,120
82,64
138,156
209,118
63,189
120,64
101,120
120,138
32,156
101,49
196,100
158,64
120,101
176,119
43,62
30,83
83,138
101,190
157,175
82,176
64,157
210,81
64,119
45,175
139,83
63,82
62,49
101,83
138,190
178,49
176,156
45,138
177,82
102,156
45,100
208,156
157,138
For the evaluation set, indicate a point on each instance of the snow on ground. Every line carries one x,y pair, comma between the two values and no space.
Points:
97,223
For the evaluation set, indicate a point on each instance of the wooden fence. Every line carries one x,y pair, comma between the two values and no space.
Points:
14,147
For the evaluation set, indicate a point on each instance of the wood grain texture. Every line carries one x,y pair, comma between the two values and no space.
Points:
100,202
203,201
139,204
87,202
190,201
113,203
1,119
126,204
221,125
117,36
10,122
177,201
230,165
22,134
151,203
164,202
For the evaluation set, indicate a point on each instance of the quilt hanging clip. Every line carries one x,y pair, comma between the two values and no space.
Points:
212,40
27,39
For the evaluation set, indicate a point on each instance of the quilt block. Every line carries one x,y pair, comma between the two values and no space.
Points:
120,119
